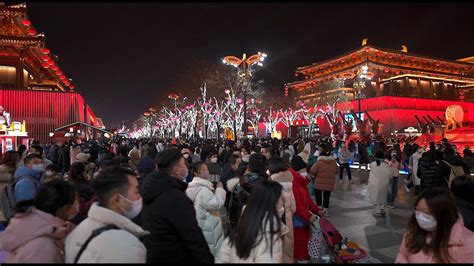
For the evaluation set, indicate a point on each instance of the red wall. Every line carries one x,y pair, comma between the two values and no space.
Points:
42,111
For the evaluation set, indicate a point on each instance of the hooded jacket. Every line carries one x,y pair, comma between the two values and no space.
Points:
325,171
25,187
33,237
207,206
461,247
169,215
112,246
286,180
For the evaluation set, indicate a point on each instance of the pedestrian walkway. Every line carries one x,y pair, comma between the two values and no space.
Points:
353,216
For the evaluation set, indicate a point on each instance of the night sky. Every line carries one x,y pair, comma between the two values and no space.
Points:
123,57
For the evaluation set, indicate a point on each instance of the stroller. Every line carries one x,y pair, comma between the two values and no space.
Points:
341,250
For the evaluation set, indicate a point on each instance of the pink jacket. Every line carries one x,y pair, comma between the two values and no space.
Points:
461,247
31,238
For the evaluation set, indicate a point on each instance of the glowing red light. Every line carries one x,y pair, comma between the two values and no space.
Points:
31,32
45,51
45,58
26,22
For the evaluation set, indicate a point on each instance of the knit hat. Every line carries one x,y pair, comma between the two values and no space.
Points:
297,163
146,165
82,157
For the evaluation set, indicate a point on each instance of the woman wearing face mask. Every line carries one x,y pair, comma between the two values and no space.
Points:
37,231
258,235
379,181
207,204
436,232
306,210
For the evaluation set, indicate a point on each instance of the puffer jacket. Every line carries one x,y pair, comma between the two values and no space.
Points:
286,180
461,247
260,253
426,172
207,206
325,171
120,245
34,237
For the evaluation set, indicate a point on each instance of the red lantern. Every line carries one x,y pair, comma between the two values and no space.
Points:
461,97
386,70
45,51
353,56
45,58
321,67
26,22
367,49
296,74
62,77
31,32
45,65
72,87
54,67
397,72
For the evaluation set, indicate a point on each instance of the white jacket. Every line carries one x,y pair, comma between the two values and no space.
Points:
379,180
207,205
259,254
112,246
416,159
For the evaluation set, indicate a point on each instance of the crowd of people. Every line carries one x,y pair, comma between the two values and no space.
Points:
166,200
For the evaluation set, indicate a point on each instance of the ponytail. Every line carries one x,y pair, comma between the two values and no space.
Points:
24,205
378,162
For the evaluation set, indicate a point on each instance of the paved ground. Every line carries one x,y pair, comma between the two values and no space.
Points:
354,218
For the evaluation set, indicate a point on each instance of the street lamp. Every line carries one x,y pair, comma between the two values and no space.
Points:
362,76
245,63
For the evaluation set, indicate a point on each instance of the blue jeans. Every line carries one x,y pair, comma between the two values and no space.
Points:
393,192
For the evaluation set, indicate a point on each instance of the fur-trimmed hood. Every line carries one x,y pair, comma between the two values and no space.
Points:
285,178
232,183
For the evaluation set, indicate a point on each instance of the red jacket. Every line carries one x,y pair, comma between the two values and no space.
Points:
304,204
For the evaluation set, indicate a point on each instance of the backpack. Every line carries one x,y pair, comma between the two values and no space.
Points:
8,199
456,170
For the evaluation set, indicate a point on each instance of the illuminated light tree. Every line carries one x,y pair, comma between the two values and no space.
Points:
310,115
255,119
205,107
271,120
289,116
218,115
234,112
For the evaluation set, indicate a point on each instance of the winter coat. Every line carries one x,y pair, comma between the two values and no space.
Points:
426,172
25,188
33,237
112,246
207,206
134,155
169,215
286,180
260,253
325,171
379,180
233,204
461,247
466,209
6,178
416,160
145,151
304,204
73,152
443,170
214,168
228,174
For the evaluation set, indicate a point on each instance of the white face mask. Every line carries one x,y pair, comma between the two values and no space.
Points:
48,173
38,167
186,155
213,160
136,207
426,221
305,174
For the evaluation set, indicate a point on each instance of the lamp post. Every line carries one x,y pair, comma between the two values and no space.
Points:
245,63
362,75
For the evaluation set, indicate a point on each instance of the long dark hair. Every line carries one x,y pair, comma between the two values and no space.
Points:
22,149
259,213
77,172
443,208
49,197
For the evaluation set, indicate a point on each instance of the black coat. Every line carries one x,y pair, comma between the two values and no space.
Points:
443,170
427,171
467,211
169,215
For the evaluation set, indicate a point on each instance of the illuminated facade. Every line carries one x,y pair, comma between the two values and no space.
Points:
392,85
32,85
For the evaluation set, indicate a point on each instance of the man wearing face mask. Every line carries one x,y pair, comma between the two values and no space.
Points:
28,177
169,215
118,202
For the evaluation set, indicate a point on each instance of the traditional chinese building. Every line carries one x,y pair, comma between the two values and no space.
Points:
32,85
392,85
